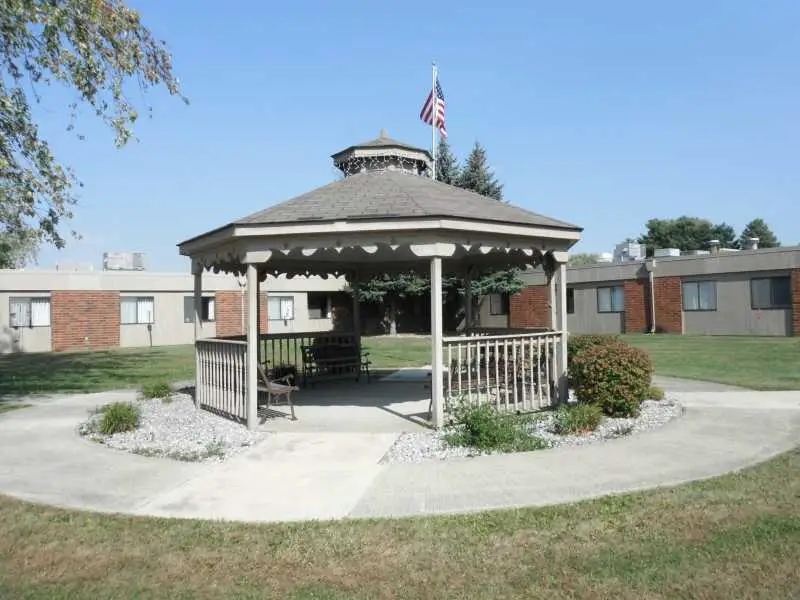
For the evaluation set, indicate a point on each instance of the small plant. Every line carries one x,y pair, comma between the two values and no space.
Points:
118,417
281,371
482,428
577,418
655,393
159,389
616,377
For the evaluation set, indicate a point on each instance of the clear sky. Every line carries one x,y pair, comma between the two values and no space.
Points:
604,114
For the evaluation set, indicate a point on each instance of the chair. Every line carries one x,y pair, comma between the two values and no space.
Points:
277,387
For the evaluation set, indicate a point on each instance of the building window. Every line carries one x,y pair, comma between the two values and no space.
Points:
611,299
207,309
280,308
498,305
770,292
570,301
699,295
136,310
29,312
319,306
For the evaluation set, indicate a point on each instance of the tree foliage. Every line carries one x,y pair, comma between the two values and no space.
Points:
759,229
97,49
583,259
477,176
447,167
687,233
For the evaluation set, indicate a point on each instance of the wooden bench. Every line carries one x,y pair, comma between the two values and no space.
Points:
334,361
281,388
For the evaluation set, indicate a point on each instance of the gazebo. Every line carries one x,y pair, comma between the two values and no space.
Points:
387,215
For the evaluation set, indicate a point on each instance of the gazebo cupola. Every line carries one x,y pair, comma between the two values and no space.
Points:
383,154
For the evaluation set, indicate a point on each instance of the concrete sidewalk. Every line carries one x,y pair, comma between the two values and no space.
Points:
329,475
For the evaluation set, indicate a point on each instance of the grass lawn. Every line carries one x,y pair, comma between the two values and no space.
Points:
737,536
4,408
761,363
755,362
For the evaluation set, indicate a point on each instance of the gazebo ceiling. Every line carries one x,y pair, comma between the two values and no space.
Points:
382,219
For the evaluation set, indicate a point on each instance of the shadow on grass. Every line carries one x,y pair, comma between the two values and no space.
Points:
82,372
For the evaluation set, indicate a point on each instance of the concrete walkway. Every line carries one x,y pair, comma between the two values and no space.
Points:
328,475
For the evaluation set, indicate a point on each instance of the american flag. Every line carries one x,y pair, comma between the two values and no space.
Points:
427,110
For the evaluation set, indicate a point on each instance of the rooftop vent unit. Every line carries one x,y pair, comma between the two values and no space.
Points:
124,261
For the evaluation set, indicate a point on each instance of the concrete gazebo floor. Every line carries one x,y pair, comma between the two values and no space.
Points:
389,404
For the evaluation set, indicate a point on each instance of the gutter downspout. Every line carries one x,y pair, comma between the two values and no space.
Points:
651,280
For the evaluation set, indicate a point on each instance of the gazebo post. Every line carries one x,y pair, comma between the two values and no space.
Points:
468,301
563,383
437,370
252,346
354,285
197,272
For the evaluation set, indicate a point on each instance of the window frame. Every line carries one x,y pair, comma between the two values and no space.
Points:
772,304
612,309
29,300
205,301
503,300
138,299
697,284
325,313
271,317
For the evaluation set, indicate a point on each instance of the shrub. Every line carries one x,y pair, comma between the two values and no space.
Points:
616,377
118,417
577,418
159,389
482,428
578,343
655,393
281,371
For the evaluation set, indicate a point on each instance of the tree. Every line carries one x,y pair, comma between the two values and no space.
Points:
476,175
387,289
583,259
447,168
686,233
96,48
759,229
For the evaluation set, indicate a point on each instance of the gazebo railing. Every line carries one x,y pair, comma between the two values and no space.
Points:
221,382
512,372
286,349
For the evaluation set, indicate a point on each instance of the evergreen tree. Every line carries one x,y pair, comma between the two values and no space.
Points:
447,168
758,228
387,289
478,177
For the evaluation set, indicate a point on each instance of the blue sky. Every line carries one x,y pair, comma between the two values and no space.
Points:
604,114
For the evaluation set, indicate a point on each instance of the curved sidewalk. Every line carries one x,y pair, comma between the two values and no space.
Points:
294,476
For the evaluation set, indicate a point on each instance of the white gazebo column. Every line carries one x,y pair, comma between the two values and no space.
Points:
252,346
355,286
563,382
437,363
197,272
468,301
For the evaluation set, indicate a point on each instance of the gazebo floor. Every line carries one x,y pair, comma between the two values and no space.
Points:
389,404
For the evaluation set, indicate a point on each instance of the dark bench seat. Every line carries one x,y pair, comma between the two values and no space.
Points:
334,361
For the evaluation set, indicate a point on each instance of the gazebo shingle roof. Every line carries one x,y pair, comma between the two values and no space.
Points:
395,195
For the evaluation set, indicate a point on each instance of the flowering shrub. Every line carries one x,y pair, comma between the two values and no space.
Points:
616,377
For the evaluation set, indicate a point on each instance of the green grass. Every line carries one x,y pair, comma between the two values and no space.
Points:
737,536
761,363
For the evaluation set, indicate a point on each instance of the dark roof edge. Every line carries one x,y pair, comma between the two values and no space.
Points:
210,232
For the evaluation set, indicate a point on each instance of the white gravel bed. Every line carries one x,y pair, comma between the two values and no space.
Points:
176,429
420,446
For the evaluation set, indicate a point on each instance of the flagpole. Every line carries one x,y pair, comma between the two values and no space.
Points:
433,121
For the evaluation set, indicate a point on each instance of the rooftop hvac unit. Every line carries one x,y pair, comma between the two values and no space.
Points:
699,252
123,261
666,252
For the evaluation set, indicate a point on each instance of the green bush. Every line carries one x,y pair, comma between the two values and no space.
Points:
578,343
655,393
616,377
118,417
160,389
482,428
577,418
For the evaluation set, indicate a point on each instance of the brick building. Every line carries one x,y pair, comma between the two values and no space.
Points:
750,292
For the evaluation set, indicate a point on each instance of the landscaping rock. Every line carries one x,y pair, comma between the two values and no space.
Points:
176,429
417,447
